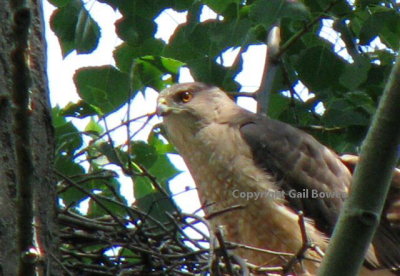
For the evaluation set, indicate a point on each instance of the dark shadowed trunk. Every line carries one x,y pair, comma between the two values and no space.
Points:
27,186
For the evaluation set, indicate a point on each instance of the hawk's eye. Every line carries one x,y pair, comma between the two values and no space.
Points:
185,96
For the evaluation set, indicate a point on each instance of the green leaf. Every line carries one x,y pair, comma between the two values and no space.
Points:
358,20
104,87
365,3
135,28
75,28
104,184
59,3
318,67
268,12
156,205
96,210
87,33
343,113
57,116
355,74
73,196
182,5
143,153
213,34
168,65
67,166
80,109
149,71
208,71
385,56
163,169
126,54
94,127
68,138
131,257
142,186
297,113
221,5
361,100
338,8
63,22
70,194
160,146
384,23
277,105
110,152
112,3
179,46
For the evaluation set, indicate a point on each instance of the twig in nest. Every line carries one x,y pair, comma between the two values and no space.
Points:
224,251
229,267
242,264
263,269
306,245
223,211
261,250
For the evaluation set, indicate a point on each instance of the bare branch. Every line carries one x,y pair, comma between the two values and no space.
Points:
270,69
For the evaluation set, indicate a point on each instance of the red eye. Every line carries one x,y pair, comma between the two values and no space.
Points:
185,96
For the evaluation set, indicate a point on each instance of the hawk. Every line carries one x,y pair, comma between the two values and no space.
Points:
272,171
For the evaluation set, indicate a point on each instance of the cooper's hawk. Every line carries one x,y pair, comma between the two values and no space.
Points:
272,170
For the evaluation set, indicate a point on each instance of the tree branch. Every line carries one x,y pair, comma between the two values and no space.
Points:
371,181
270,68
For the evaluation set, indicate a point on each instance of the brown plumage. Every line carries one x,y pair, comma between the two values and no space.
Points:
233,153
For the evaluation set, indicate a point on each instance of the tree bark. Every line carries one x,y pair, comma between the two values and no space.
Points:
28,232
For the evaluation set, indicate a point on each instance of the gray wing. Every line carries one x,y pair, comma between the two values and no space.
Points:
299,163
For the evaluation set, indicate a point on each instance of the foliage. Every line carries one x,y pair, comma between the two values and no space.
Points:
345,76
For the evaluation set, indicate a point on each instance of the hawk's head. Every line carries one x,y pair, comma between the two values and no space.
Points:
189,107
193,105
182,98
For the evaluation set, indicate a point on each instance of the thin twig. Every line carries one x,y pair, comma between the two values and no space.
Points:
82,151
223,211
153,179
305,29
141,127
305,245
257,249
92,196
66,270
224,251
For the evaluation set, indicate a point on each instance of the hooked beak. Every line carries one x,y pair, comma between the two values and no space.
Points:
162,108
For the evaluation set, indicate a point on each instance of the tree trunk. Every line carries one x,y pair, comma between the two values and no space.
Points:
27,185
